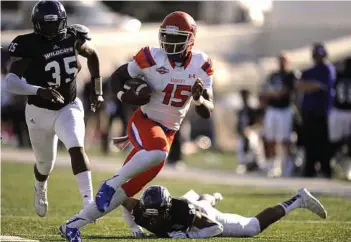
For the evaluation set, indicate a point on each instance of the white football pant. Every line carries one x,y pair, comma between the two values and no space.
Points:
233,225
47,126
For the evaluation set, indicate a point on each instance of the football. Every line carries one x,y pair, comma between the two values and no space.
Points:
141,88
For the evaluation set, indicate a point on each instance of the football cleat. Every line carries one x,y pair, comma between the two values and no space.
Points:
311,203
218,197
41,202
103,197
70,234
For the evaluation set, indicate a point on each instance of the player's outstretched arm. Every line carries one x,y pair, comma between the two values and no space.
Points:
16,84
85,49
203,99
13,81
89,52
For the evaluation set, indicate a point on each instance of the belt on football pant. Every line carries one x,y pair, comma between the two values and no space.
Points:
164,128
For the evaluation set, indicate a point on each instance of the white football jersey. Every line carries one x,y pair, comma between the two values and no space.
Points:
171,85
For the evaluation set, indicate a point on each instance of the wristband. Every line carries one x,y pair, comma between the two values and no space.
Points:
200,101
98,85
119,95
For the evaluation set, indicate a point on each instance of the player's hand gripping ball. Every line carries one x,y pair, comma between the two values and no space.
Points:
137,92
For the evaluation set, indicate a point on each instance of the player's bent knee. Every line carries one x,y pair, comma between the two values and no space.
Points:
45,167
157,156
253,227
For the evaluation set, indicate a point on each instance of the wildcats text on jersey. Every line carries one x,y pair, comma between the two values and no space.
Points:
58,52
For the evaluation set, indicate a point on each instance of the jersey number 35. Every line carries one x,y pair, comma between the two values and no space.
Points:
70,70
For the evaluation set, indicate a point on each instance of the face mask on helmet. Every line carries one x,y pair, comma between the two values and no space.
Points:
174,42
154,213
51,28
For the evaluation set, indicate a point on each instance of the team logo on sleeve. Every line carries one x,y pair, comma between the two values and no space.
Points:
162,70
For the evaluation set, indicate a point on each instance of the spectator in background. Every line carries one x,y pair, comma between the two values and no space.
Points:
340,115
278,121
246,119
317,83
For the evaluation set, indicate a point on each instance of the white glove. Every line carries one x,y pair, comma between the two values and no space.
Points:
138,232
177,235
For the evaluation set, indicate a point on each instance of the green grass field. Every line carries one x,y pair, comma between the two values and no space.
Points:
19,219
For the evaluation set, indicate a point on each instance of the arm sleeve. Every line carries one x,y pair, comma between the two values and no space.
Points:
19,86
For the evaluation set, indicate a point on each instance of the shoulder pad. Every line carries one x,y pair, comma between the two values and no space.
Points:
208,67
144,58
202,60
81,31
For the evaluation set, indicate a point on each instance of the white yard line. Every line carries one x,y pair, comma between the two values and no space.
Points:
15,238
111,164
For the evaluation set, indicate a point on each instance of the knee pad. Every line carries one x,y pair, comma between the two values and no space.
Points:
252,228
45,167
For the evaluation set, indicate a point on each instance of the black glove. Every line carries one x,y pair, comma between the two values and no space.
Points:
51,94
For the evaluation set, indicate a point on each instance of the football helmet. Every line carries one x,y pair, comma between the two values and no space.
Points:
49,19
177,33
156,202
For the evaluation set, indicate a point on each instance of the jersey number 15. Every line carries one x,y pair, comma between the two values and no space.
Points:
54,67
172,93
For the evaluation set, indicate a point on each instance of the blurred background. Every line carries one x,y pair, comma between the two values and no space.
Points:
243,39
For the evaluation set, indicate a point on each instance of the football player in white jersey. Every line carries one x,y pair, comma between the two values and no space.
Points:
177,76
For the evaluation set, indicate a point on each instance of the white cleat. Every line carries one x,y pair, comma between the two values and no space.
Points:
41,202
311,203
218,197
